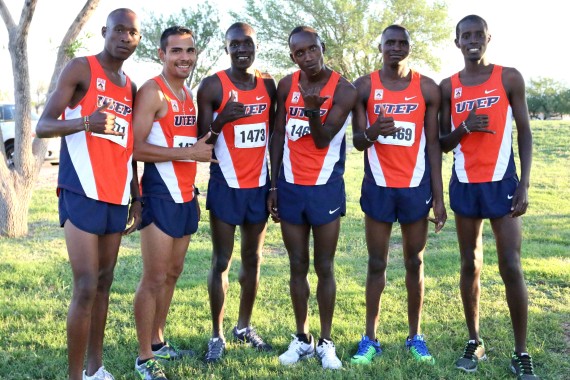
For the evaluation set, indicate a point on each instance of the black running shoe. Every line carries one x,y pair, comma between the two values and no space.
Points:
216,347
473,353
251,337
521,365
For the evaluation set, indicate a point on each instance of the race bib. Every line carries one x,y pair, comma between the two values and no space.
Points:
404,137
184,142
121,125
297,128
250,135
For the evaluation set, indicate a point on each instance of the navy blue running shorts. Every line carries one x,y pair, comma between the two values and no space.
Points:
313,205
90,215
390,204
486,200
237,206
174,219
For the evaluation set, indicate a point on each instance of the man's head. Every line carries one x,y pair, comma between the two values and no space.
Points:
394,44
472,37
177,51
306,49
121,33
241,44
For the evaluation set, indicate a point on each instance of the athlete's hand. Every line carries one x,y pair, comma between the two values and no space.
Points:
102,122
478,123
135,218
233,110
440,215
312,97
272,206
520,201
383,126
202,150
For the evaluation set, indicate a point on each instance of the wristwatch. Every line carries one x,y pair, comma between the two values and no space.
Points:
312,113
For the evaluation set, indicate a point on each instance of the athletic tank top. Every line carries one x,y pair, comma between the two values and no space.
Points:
399,160
483,157
242,146
172,180
303,162
95,165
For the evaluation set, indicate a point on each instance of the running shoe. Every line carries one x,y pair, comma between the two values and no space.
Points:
473,353
150,370
522,366
101,374
171,352
367,350
298,350
216,347
251,337
418,348
326,351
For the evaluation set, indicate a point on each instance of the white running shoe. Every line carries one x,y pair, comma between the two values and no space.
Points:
101,374
298,350
327,353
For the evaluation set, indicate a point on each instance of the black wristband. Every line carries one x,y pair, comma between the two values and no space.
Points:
137,199
196,191
312,113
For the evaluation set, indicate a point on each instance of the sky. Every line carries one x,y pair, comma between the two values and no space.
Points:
526,35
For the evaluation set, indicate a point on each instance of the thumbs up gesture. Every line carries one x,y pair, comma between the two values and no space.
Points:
477,123
103,122
384,125
233,109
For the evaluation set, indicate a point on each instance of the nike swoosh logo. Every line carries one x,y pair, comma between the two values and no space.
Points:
127,99
429,199
259,97
489,91
191,109
333,211
410,98
165,357
510,196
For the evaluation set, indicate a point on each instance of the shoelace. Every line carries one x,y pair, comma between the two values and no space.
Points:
525,362
363,347
215,349
329,350
470,349
421,347
154,368
254,338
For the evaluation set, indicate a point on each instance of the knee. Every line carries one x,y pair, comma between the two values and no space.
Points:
471,265
376,266
511,270
251,261
175,271
324,269
220,264
298,266
413,264
84,290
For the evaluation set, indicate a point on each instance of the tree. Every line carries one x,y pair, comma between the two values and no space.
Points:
204,23
17,182
349,28
547,97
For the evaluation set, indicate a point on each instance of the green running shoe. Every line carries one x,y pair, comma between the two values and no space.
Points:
367,350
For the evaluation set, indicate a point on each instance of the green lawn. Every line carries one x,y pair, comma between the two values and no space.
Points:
35,288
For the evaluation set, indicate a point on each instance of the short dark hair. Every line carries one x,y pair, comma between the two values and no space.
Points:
116,12
474,18
177,29
302,28
238,25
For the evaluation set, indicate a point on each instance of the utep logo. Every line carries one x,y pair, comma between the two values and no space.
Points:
101,84
300,112
484,102
184,120
378,94
174,105
457,93
118,107
296,96
255,109
400,109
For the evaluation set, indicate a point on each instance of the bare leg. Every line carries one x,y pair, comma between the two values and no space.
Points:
377,241
296,239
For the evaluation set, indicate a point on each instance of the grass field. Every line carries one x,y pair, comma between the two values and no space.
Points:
35,288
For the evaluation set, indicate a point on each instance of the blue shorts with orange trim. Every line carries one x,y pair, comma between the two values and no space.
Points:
91,215
389,204
237,206
486,200
313,205
174,219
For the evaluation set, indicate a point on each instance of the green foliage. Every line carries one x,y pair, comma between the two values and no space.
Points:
547,97
35,283
349,28
73,49
204,22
